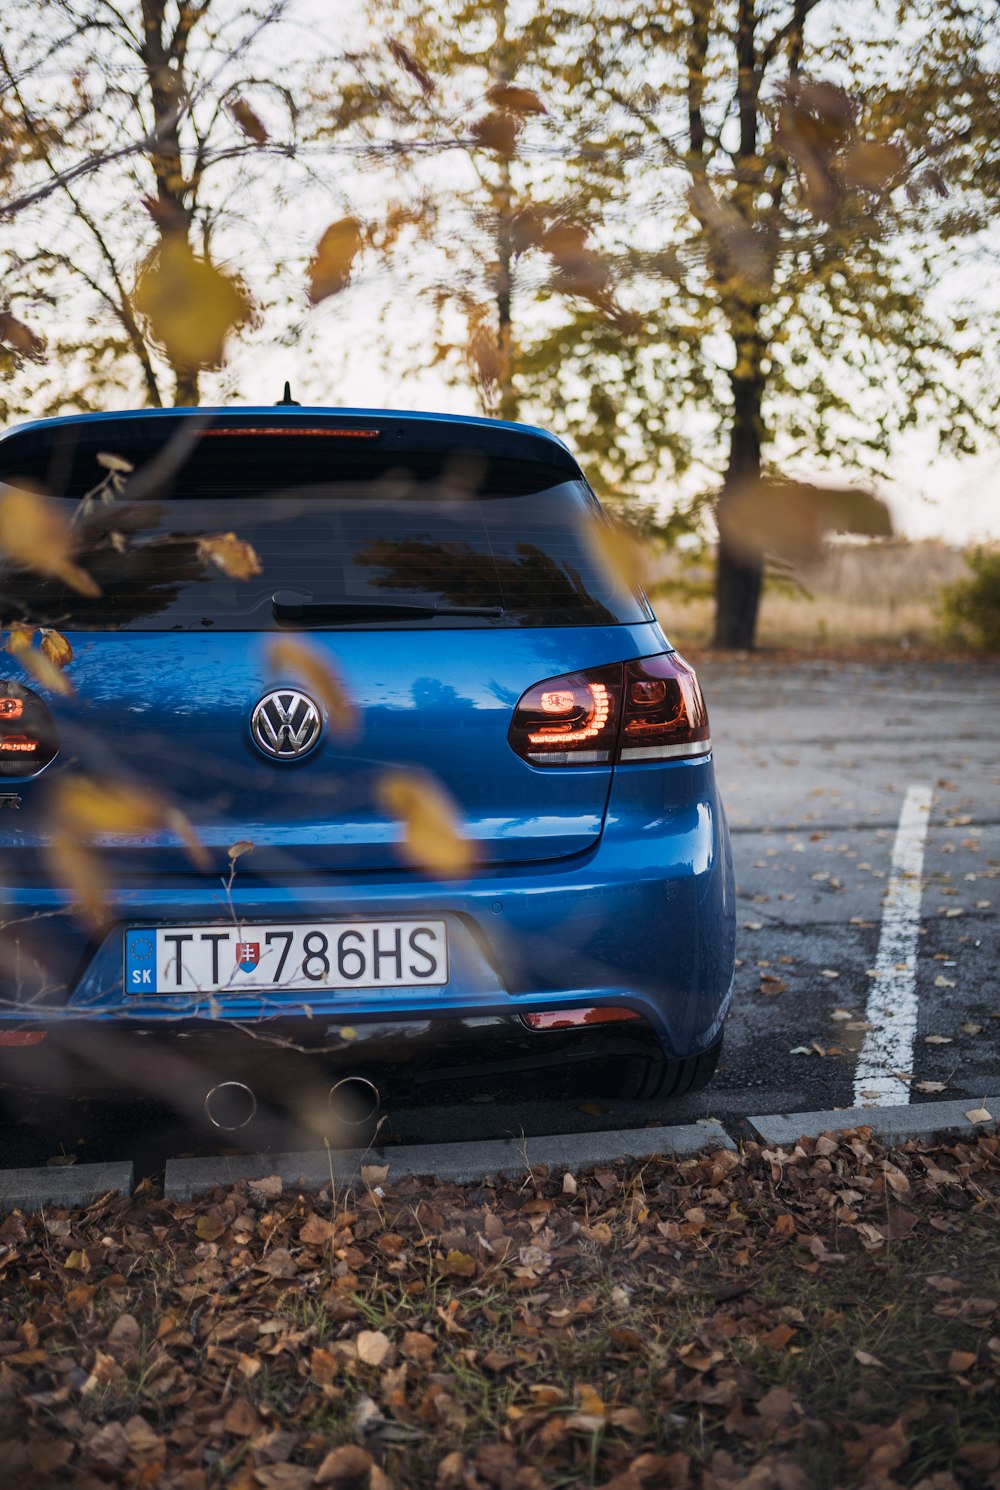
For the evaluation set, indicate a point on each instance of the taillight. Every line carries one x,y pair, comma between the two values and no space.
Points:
570,720
664,714
649,709
27,734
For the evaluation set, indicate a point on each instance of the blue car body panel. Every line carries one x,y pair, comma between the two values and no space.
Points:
591,884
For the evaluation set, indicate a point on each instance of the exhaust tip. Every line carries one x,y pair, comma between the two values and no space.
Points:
354,1100
230,1105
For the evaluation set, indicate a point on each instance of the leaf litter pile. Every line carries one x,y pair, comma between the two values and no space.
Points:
768,1320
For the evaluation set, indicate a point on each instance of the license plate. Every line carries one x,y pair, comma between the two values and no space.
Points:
304,957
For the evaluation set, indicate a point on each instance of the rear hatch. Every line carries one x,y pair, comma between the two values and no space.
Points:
436,568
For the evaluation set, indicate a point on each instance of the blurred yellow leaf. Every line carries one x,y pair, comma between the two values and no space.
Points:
488,360
516,100
76,868
44,667
34,534
234,556
82,809
56,648
496,132
872,166
191,306
21,337
251,125
178,822
793,518
409,64
619,553
239,849
88,807
315,671
330,266
432,838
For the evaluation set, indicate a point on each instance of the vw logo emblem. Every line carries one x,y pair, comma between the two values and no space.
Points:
286,724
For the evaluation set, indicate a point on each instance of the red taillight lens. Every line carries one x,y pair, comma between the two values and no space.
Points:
27,734
664,714
650,709
570,719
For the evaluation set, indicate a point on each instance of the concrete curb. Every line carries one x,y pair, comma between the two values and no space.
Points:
465,1163
66,1185
461,1163
922,1120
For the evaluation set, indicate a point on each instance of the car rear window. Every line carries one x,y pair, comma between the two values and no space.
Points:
335,524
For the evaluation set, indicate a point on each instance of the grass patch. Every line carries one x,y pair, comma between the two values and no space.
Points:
775,1321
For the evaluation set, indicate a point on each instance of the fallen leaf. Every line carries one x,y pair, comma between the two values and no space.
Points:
979,1115
863,1358
459,1264
345,1468
372,1346
241,1419
316,1231
937,1040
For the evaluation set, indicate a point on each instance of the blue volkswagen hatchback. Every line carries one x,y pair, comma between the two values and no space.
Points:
444,570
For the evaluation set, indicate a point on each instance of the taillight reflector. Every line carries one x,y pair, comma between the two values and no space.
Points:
566,1019
21,1039
646,710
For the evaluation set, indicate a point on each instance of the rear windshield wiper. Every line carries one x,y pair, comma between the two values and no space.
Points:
291,605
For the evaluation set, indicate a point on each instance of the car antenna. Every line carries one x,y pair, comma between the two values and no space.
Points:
287,398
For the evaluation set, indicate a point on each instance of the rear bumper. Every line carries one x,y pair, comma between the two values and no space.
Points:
285,1059
645,920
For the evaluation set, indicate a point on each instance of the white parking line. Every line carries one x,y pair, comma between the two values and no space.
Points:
892,1003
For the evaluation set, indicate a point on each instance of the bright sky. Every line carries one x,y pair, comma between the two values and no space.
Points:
336,353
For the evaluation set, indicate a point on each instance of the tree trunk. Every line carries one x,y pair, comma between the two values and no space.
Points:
740,573
186,386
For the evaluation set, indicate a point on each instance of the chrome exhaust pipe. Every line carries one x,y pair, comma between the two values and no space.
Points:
230,1105
354,1100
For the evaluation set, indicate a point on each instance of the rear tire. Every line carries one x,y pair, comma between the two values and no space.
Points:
637,1078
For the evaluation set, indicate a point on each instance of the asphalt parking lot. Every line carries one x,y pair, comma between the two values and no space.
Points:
817,762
